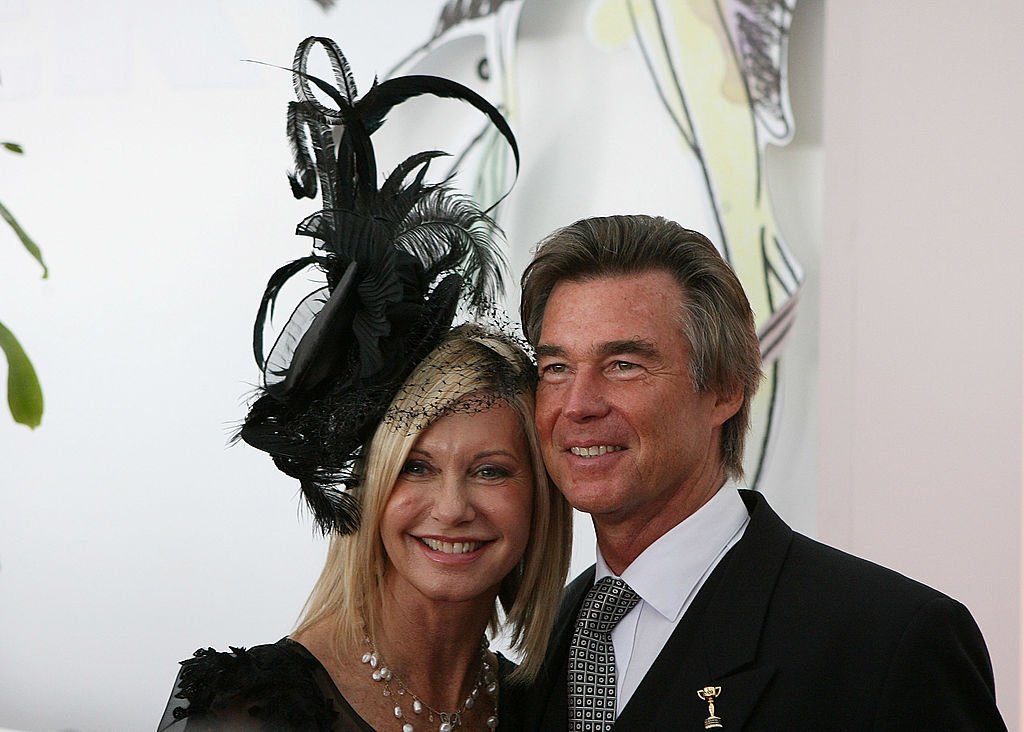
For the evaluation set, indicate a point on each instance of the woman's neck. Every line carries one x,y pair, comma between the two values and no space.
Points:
434,647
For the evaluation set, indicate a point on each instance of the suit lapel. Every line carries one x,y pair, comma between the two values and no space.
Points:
716,642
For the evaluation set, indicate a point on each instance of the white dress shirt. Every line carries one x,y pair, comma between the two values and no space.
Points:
667,576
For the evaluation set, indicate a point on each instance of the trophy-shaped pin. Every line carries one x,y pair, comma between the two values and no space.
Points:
708,694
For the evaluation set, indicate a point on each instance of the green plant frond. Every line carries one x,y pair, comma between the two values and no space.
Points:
25,239
24,395
13,147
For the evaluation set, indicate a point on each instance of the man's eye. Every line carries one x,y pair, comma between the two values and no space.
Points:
552,369
624,366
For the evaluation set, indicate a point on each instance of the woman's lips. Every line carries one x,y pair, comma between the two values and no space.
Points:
452,547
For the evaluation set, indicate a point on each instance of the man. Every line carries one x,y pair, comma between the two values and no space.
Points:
704,610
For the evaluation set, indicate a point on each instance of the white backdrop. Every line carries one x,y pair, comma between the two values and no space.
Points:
154,181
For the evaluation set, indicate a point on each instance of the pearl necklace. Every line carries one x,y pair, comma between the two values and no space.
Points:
449,721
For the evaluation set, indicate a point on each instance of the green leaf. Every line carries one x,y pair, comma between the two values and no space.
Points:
24,396
25,239
13,147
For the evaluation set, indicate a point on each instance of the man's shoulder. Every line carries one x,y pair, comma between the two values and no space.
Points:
842,575
826,577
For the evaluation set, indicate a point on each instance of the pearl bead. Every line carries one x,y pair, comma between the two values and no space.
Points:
398,712
376,676
417,706
407,728
446,727
492,722
366,658
385,673
470,702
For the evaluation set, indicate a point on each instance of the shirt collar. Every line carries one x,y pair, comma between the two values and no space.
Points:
686,553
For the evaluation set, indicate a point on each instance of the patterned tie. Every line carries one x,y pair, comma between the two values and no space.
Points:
592,658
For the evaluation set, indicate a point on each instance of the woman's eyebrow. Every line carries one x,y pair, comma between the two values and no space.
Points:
500,452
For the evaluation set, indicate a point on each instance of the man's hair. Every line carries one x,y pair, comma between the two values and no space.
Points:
471,370
716,319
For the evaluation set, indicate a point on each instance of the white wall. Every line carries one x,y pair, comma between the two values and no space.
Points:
922,303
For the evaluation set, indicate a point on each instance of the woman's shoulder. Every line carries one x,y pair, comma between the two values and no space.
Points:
277,685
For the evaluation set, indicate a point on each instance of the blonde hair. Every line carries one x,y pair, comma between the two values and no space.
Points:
472,369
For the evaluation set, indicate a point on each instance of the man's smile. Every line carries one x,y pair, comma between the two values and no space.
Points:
594,450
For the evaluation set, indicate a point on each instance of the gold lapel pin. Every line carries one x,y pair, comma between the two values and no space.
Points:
709,694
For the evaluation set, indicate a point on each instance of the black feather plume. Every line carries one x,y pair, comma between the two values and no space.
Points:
398,259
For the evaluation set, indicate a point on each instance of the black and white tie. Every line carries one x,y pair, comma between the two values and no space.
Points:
592,658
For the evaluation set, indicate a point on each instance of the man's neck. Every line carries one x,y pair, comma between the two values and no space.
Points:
623,539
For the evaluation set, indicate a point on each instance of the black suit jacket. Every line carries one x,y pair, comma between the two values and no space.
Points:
799,636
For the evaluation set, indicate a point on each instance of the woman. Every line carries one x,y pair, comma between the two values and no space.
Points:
414,446
456,513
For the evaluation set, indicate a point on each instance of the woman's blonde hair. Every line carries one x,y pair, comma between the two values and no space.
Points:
472,369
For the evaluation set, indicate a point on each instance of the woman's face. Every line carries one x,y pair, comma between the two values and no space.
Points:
458,518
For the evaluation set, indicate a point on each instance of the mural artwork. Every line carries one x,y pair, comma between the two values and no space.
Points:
669,103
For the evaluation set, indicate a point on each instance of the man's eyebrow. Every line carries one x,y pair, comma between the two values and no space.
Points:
548,350
637,346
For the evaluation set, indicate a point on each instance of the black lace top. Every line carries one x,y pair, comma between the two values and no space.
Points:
274,688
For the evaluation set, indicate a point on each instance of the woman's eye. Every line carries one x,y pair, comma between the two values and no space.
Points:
492,472
414,467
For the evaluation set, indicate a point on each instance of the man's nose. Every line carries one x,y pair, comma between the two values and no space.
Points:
452,504
584,396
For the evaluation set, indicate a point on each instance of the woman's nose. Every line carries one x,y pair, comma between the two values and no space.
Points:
452,504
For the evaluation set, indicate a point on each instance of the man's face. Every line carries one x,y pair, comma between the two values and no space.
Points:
624,435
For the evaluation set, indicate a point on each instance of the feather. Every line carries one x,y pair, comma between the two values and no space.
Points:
273,288
446,230
333,509
392,186
384,96
280,357
314,355
343,94
303,180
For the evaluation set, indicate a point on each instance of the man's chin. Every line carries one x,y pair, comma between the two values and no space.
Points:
597,500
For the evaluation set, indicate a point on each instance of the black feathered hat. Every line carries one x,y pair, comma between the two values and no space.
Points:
399,259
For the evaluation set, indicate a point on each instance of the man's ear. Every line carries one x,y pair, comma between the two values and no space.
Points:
728,400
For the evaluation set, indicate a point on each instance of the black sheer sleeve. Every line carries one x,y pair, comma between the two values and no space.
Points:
271,687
